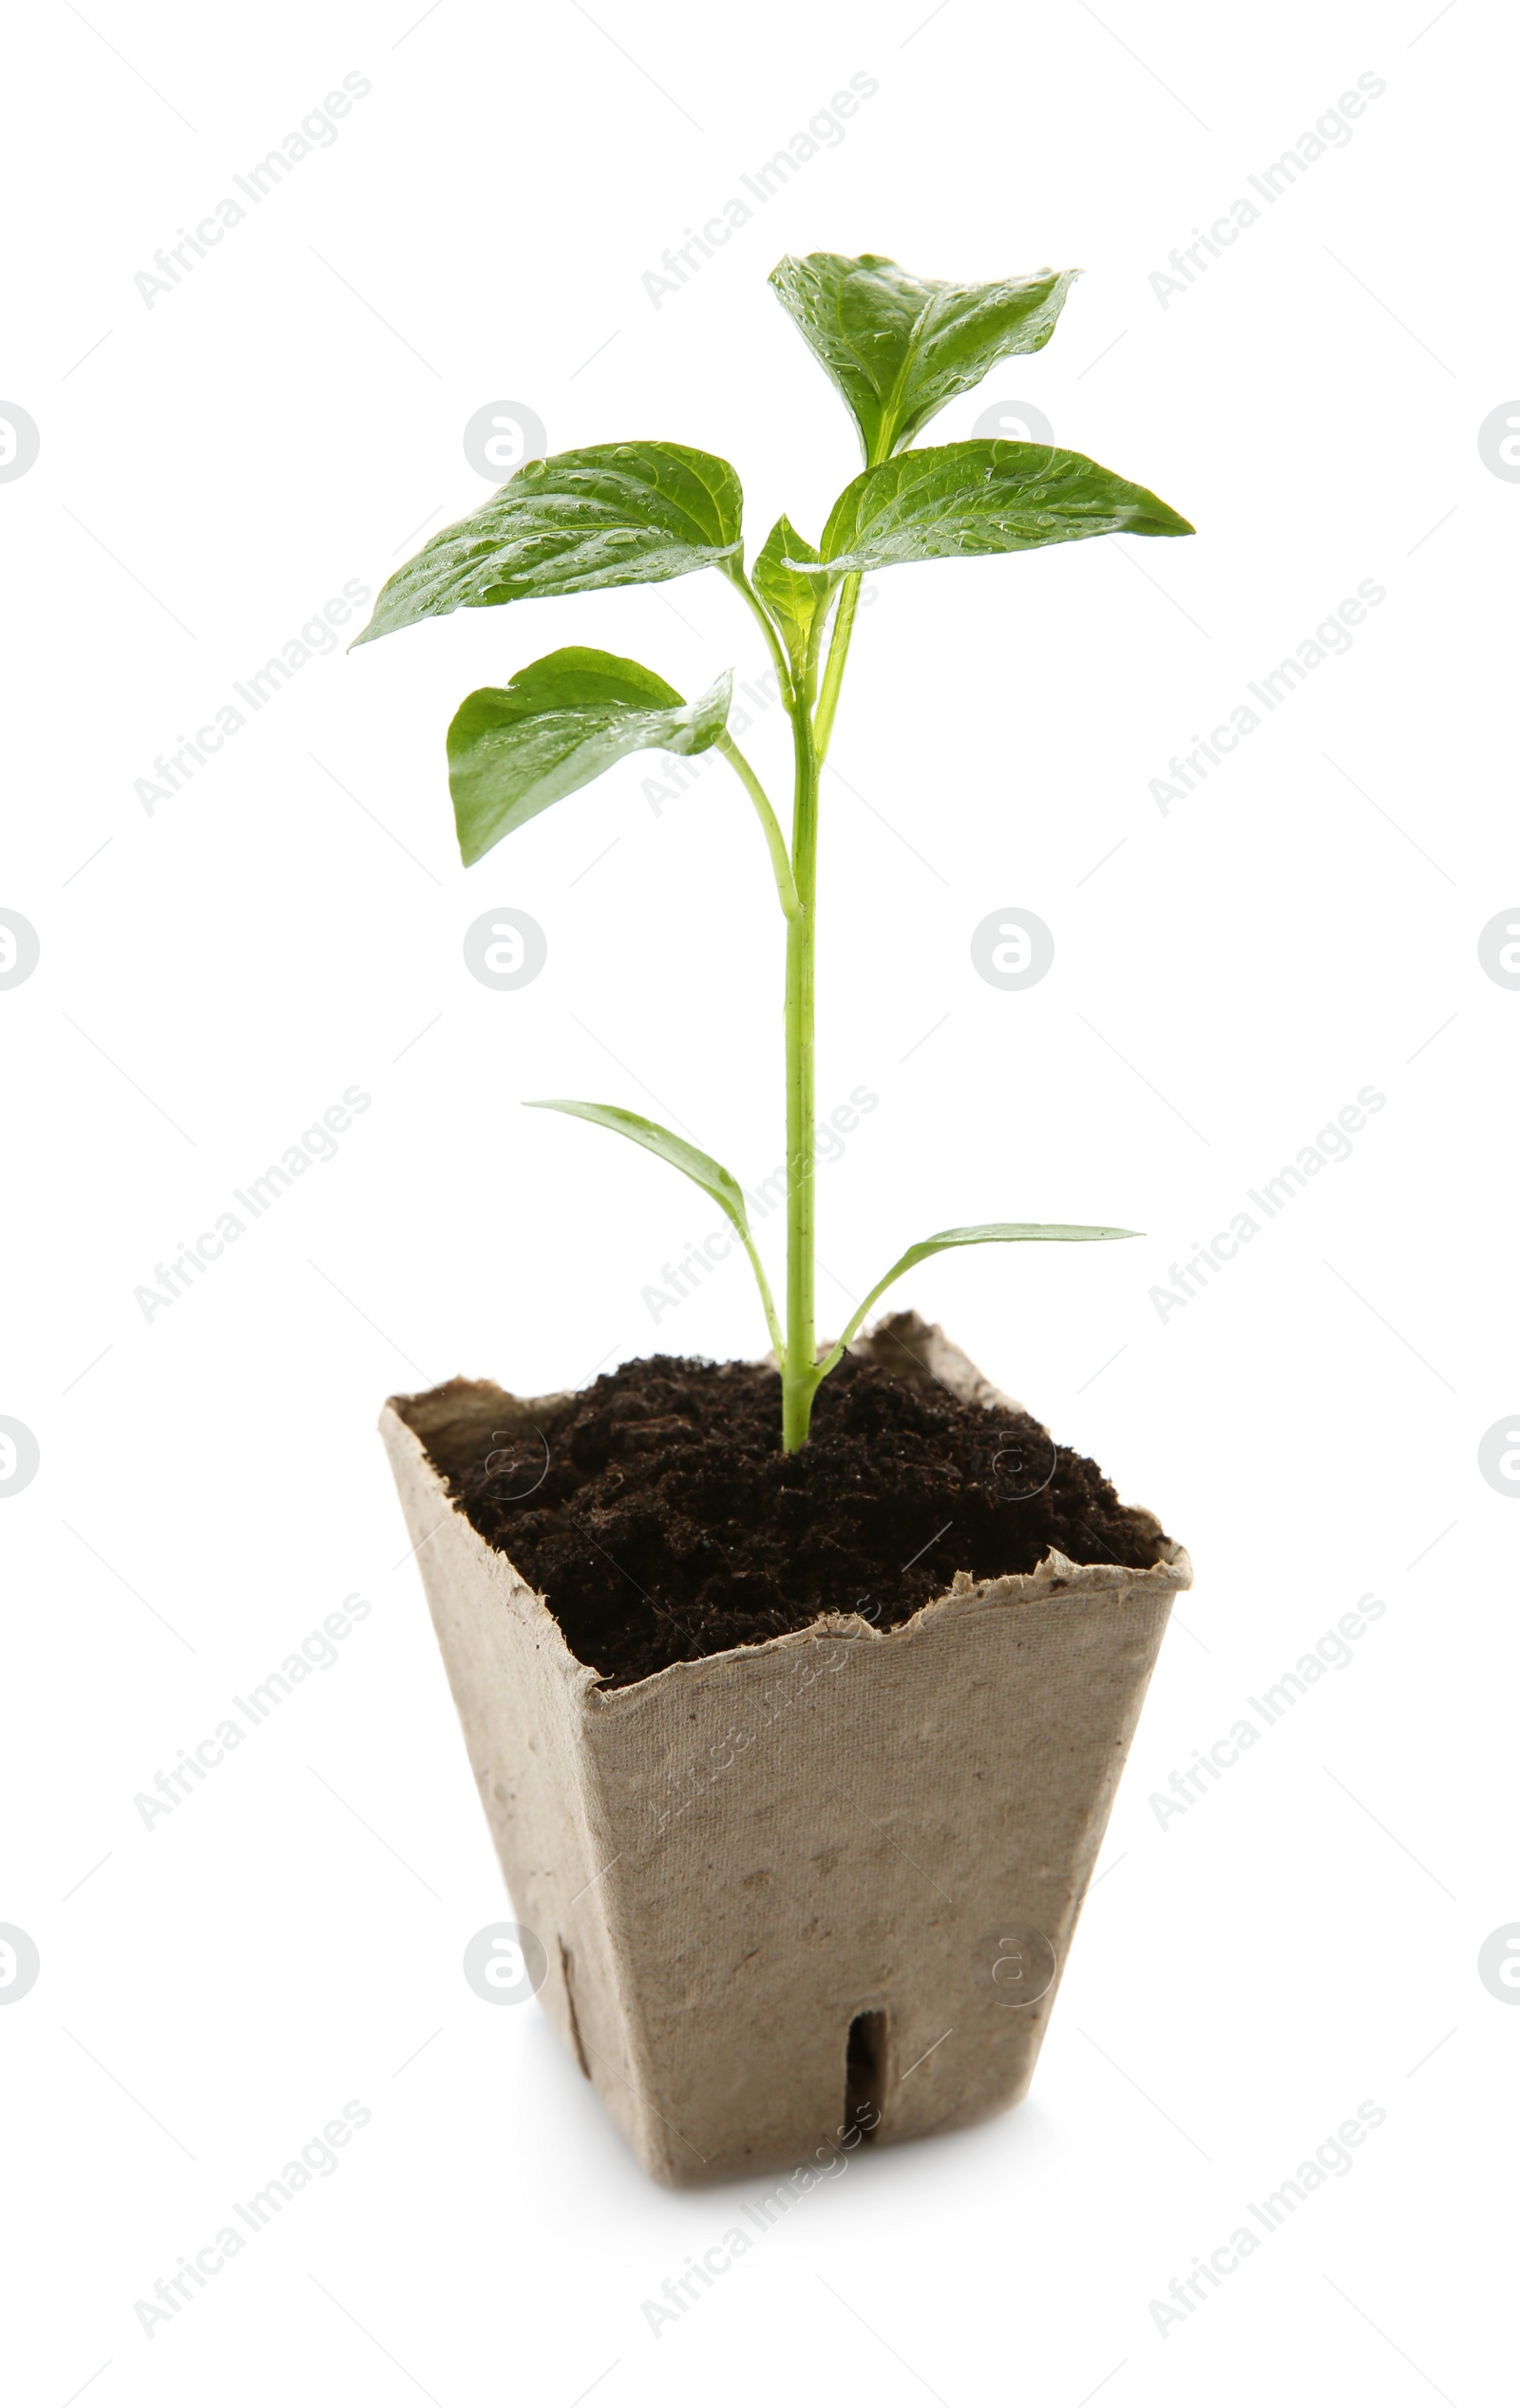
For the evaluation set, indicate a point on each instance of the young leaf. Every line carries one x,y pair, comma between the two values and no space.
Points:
514,749
899,345
709,1175
955,500
613,514
984,1232
792,598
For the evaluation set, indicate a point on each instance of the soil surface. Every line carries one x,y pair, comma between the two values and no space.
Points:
668,1524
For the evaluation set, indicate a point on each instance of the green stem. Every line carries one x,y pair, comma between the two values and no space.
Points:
798,888
812,728
777,650
834,667
799,1377
848,596
786,885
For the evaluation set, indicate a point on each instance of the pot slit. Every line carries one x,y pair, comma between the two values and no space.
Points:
567,1977
865,2073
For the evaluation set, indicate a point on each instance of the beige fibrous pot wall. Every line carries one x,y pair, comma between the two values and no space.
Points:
826,1882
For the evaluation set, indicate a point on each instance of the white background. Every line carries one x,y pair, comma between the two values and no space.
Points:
216,972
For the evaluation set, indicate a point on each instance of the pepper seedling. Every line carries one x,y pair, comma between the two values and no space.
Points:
897,347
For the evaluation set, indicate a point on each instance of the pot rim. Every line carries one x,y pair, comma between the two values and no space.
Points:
1055,1575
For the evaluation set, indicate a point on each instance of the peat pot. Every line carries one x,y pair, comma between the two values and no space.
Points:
804,1893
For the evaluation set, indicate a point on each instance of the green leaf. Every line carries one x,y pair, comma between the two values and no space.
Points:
613,514
899,345
514,749
1000,1233
956,501
709,1175
792,598
983,1233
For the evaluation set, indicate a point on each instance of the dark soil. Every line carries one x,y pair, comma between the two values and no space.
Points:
668,1524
